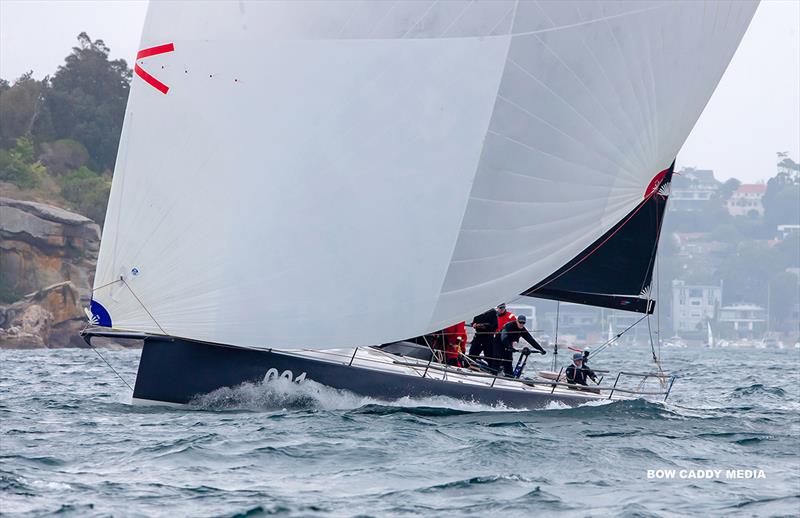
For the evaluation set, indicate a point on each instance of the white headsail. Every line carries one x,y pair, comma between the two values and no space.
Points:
338,173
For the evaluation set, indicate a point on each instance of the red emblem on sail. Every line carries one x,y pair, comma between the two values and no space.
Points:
655,184
153,51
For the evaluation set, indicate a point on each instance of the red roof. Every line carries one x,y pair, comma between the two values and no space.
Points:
758,188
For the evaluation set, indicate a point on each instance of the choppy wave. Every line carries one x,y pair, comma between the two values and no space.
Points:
759,388
70,445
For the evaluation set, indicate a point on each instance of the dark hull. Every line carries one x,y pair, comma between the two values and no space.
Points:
177,370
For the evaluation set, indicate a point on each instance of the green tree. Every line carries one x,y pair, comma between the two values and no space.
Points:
787,166
87,100
19,166
746,271
22,106
87,191
751,226
62,156
728,188
781,203
788,252
727,233
784,293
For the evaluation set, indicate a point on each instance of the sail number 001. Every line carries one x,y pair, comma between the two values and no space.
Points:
272,374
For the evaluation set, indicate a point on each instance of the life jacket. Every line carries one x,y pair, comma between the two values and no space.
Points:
504,319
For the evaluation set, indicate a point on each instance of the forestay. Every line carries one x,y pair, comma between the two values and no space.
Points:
323,174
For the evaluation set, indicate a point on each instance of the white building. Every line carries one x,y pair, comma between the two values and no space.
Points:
743,320
693,305
576,323
691,189
746,200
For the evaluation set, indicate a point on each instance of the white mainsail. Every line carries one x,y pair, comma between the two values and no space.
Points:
336,173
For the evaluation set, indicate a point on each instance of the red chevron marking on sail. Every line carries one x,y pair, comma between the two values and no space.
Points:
152,51
155,51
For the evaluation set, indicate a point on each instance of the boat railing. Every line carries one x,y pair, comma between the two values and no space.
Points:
552,384
423,367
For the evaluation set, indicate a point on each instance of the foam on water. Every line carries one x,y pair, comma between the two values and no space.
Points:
282,394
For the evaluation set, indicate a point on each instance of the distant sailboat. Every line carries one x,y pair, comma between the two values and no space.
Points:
300,182
709,337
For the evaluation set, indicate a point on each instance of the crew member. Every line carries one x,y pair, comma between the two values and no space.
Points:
503,317
485,326
576,372
507,337
455,338
589,371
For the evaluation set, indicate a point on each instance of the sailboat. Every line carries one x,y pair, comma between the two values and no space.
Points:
302,187
709,336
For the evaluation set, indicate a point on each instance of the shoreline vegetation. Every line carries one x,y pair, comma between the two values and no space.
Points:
58,144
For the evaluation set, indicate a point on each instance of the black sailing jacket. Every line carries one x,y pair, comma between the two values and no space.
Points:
512,333
578,375
486,322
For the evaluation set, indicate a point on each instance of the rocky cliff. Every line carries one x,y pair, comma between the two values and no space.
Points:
47,261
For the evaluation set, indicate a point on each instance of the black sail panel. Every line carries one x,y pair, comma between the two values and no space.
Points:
616,270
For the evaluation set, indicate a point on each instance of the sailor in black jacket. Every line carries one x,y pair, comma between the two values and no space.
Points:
484,325
576,372
507,337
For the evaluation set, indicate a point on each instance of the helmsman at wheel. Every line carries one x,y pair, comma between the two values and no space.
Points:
510,335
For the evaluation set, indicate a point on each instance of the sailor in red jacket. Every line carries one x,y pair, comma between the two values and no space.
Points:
456,339
503,317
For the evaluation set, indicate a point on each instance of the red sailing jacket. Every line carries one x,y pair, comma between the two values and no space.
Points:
452,334
504,319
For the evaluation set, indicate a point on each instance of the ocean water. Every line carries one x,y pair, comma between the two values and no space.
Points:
70,444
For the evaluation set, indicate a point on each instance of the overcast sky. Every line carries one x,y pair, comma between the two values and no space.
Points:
754,113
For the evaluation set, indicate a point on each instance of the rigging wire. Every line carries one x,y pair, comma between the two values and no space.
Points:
89,341
111,367
555,344
658,309
657,359
122,280
614,339
143,306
